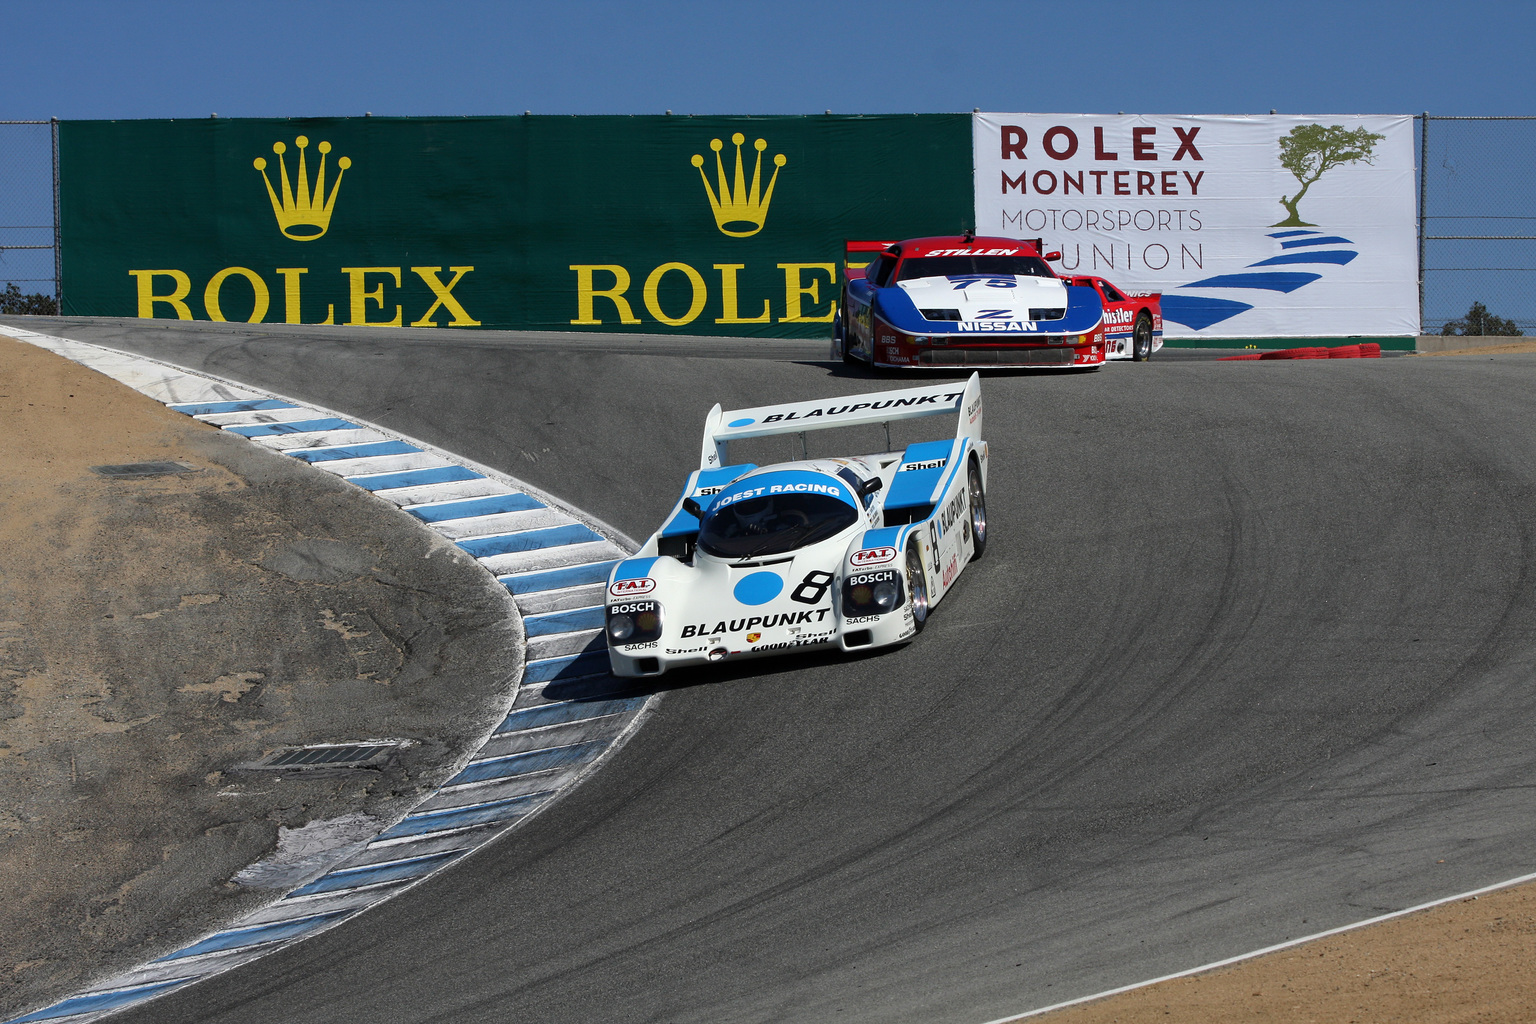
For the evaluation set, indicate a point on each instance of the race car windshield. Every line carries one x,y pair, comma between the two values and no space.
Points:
955,266
773,524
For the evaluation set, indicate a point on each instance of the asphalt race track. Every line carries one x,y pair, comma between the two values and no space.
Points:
1251,655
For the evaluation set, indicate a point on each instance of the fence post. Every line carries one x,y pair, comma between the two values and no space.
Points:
1423,199
58,252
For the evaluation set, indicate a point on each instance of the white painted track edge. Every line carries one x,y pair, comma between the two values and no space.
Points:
598,525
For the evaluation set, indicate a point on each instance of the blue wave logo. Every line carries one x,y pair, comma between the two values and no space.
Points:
1299,248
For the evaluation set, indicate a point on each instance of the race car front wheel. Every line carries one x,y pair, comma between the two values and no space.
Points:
1141,339
978,511
840,332
917,586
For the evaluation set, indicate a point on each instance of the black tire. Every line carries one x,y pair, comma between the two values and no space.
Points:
840,338
978,499
917,586
1141,338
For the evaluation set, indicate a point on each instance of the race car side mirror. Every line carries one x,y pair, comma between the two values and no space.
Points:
870,486
692,508
1053,256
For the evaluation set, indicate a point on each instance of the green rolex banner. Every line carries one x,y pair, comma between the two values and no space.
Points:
688,225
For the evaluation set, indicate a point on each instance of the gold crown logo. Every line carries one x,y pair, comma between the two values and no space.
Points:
306,216
740,212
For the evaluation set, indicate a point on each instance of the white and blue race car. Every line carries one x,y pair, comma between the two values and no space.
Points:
847,553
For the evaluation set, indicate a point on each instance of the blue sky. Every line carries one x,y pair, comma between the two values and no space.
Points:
272,58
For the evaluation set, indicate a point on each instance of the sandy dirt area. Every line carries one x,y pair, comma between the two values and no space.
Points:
1489,350
156,633
1464,962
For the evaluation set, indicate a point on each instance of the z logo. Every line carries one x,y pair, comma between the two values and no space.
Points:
992,314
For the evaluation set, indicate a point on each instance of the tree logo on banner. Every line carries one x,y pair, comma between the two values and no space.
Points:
1310,151
740,211
302,215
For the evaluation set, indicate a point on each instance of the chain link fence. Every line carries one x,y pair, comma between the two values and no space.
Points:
1477,225
1477,222
29,234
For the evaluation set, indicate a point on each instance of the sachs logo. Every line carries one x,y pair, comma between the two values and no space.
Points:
873,556
628,588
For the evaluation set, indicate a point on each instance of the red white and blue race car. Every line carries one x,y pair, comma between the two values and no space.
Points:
1133,321
963,300
827,553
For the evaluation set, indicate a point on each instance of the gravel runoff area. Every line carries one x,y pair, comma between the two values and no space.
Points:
1512,348
158,632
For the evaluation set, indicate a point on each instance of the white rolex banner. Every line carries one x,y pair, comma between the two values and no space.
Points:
1251,227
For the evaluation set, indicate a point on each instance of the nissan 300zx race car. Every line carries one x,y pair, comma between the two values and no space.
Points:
939,303
834,553
1133,321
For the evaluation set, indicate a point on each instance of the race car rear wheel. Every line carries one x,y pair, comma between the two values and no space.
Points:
1141,339
917,586
978,510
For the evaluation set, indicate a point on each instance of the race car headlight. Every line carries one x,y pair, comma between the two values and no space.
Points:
872,593
633,622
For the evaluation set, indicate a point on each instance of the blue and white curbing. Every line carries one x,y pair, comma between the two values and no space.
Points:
568,713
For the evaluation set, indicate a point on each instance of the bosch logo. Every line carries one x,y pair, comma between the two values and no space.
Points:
872,556
628,588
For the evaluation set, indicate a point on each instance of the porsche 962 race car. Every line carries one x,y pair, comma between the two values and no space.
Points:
847,553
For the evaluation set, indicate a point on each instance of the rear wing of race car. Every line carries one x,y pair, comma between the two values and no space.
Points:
859,253
721,427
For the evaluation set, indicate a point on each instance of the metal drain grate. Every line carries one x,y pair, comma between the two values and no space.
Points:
328,755
139,469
